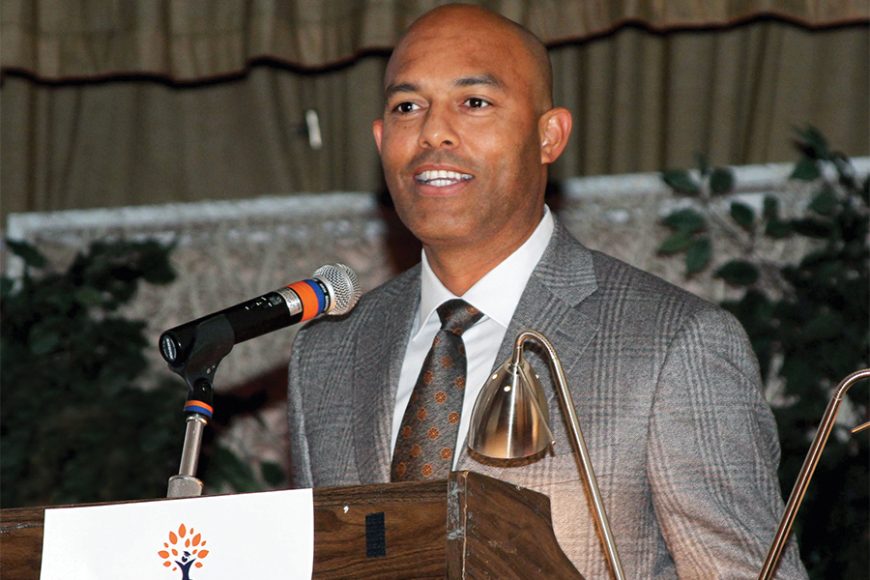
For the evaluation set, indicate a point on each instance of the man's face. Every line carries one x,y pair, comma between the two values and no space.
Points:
460,141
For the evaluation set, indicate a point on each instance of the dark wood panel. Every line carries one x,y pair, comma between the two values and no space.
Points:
21,542
499,530
414,517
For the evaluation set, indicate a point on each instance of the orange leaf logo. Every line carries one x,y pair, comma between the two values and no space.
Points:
184,549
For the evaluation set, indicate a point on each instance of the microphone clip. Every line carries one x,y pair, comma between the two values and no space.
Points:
212,340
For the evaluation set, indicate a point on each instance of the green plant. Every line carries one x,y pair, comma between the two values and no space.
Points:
75,426
808,323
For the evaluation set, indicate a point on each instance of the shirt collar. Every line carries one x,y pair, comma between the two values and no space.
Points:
498,292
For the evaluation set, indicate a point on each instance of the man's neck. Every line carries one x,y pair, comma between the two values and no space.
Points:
460,268
456,273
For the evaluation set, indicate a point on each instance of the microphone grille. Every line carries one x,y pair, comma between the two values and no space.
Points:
345,286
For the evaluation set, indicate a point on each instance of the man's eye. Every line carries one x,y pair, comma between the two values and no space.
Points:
405,107
477,103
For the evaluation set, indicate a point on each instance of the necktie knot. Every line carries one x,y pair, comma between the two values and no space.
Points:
457,316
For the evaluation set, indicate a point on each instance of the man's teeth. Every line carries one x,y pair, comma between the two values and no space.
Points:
441,178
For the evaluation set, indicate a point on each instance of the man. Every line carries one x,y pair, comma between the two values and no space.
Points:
665,384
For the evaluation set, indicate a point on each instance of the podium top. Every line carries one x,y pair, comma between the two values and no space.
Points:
467,526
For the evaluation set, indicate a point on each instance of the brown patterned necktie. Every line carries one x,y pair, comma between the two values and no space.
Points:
427,436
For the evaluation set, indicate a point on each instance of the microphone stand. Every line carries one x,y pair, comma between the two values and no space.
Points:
213,340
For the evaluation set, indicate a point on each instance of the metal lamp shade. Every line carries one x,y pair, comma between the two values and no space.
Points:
510,419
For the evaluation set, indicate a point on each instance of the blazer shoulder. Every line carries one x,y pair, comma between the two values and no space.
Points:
615,276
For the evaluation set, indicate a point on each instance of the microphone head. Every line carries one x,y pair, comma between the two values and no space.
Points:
344,285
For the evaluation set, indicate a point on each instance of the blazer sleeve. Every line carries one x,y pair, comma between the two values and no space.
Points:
713,454
300,462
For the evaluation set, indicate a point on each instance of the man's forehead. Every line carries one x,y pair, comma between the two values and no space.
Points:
461,63
465,46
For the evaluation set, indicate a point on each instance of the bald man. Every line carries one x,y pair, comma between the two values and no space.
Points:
666,385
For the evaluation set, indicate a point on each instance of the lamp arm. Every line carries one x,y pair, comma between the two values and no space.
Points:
567,404
806,473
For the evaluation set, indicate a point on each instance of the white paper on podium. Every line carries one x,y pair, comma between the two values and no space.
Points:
254,535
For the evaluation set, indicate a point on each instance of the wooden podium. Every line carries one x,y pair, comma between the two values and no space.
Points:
470,526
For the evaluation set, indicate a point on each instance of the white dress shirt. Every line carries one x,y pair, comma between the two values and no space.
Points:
496,295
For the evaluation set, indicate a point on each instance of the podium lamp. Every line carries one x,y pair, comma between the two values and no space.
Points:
510,420
802,482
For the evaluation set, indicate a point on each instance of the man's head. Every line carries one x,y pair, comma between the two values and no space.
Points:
468,130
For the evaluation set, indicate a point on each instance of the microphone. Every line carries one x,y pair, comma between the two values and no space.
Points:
333,289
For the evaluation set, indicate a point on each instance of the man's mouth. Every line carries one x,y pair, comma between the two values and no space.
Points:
441,177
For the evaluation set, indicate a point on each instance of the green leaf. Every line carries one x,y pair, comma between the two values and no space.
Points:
777,229
738,273
273,474
743,215
806,170
675,243
6,286
154,262
824,326
88,296
721,181
685,220
681,181
42,339
845,170
27,252
771,207
811,228
159,274
755,310
824,203
61,299
813,142
698,255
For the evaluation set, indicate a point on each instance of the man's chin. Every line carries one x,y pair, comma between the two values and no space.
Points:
439,236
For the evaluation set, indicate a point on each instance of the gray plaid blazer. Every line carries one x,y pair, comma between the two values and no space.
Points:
667,392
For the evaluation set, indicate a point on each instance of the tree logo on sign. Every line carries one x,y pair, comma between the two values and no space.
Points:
184,550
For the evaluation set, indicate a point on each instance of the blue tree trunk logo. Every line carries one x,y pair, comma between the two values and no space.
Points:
185,549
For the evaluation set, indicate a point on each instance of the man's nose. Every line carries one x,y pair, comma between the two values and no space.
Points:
438,130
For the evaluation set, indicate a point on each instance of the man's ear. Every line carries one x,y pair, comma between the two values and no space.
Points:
378,131
554,128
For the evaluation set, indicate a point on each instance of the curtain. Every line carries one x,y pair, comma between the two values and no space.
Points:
193,40
642,99
646,102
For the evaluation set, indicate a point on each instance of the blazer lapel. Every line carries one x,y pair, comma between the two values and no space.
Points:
376,367
563,279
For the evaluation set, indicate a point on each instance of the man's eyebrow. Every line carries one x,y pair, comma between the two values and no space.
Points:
399,88
484,79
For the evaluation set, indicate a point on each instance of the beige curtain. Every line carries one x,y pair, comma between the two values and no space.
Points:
646,102
196,39
642,99
132,142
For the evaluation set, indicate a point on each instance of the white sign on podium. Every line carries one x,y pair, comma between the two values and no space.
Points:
232,537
